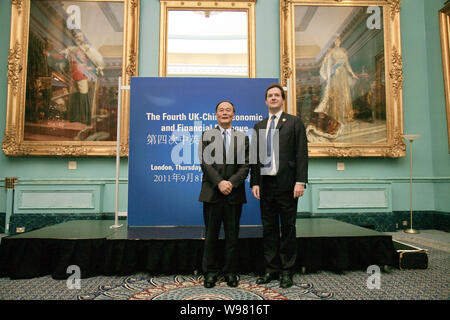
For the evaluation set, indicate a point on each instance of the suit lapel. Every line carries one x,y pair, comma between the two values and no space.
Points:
233,149
282,121
233,141
264,124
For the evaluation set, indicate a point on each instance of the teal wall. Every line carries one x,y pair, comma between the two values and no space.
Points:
441,158
423,103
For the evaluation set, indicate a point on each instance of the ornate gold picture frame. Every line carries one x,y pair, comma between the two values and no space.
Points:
64,61
444,18
341,61
207,38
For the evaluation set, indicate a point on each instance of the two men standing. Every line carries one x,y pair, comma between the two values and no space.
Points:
277,180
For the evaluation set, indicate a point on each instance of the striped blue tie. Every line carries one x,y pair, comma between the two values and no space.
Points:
269,140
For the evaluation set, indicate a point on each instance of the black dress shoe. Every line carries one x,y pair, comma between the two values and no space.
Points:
286,281
266,278
210,280
232,280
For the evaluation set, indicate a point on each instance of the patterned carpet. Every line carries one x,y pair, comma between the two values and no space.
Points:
191,288
430,284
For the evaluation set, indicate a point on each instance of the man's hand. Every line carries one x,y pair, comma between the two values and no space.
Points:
255,192
299,190
225,187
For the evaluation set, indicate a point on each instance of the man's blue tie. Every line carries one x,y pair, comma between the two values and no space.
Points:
269,141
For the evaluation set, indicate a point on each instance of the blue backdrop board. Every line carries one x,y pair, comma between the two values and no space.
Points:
167,118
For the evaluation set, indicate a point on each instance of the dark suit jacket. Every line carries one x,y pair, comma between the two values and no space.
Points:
216,168
292,157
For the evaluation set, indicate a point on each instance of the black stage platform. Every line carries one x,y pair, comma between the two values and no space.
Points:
323,244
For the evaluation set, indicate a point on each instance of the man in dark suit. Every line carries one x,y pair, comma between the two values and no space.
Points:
224,161
278,180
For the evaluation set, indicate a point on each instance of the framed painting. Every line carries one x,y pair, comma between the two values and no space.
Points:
444,20
64,63
341,62
207,38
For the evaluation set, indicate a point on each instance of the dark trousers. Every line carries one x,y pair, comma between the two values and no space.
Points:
214,214
280,252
